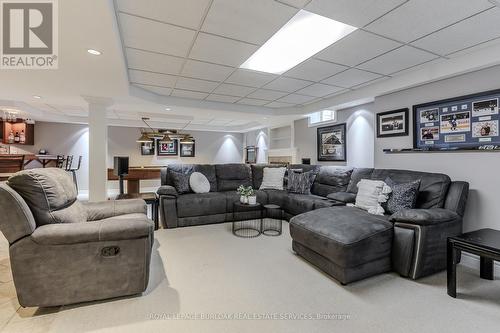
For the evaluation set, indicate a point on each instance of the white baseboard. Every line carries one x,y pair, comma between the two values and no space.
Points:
472,261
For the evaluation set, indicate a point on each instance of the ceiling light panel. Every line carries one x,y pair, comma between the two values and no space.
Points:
300,38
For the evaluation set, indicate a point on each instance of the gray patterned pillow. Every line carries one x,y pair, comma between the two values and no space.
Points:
403,196
181,182
300,182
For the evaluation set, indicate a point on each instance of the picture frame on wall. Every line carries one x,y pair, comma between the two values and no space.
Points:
148,148
187,149
332,143
395,123
167,149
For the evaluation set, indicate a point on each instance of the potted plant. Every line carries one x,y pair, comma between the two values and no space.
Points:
247,195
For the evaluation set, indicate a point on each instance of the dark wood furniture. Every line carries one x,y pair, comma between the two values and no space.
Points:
17,126
150,198
484,243
135,175
10,164
44,160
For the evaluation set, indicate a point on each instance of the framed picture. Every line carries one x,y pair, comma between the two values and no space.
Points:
167,149
331,142
148,148
187,149
395,123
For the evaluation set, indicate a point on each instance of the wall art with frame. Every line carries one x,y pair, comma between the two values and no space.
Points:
148,148
332,143
187,149
393,123
466,122
167,149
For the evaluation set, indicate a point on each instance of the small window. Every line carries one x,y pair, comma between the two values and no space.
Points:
321,117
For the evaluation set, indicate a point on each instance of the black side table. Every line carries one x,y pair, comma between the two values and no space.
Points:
246,227
151,199
272,224
484,243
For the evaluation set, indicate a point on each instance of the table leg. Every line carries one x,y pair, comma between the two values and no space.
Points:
155,214
451,265
133,186
487,269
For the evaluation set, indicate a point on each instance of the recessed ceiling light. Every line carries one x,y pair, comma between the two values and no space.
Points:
300,38
168,109
94,52
37,97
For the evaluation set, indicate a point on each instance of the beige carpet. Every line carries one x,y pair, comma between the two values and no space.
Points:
202,272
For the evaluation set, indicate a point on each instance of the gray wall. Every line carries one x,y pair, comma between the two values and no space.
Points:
360,137
479,169
260,139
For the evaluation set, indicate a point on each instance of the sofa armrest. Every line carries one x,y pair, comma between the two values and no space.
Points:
167,190
112,229
105,209
344,197
425,217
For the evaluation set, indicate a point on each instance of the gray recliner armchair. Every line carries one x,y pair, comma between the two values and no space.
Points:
63,251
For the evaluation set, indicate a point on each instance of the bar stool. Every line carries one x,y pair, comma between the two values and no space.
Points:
60,161
74,170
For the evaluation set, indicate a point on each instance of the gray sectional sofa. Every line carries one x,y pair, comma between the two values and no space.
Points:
345,242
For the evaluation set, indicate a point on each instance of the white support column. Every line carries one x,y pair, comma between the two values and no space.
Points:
98,147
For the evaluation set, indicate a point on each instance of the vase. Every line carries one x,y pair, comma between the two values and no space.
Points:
252,200
243,199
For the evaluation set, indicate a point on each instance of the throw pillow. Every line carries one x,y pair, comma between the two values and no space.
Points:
180,181
199,183
299,182
371,193
403,196
273,179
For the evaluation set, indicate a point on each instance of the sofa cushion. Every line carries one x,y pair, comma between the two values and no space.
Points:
356,176
344,197
206,169
199,183
258,172
296,204
273,179
199,204
231,176
181,182
433,186
371,194
347,236
402,196
47,191
300,182
331,179
276,197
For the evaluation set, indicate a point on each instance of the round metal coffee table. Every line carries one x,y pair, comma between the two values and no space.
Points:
244,223
272,224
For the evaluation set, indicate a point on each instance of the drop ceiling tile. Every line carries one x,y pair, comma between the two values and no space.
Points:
356,48
354,12
351,78
233,90
156,90
222,98
252,101
470,32
319,90
221,50
186,13
475,48
155,36
287,84
279,105
188,94
154,62
206,71
296,99
249,21
250,78
314,70
397,60
154,79
416,19
195,84
269,95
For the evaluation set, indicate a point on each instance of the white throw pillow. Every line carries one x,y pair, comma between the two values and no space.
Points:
273,179
371,193
199,183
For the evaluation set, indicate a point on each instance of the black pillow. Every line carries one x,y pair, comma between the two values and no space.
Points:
180,182
403,196
300,182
